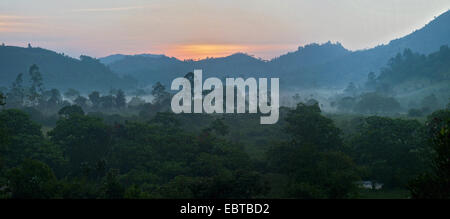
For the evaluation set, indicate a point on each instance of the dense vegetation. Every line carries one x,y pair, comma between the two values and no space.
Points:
143,151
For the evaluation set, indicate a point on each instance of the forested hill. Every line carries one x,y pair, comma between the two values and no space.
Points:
414,67
358,64
328,64
58,70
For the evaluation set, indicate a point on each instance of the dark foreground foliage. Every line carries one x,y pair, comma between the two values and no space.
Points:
201,156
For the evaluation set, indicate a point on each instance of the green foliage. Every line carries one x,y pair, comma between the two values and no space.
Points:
112,189
70,111
312,161
32,179
219,127
413,66
391,149
306,125
60,71
436,183
36,89
94,97
82,138
200,156
25,140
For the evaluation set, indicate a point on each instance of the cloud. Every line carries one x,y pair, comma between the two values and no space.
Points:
15,23
108,9
17,17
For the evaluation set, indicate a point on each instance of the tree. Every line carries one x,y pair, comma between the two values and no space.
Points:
17,92
120,99
94,97
2,99
108,101
69,111
159,93
311,160
81,101
389,149
219,127
112,189
24,139
32,179
306,125
36,90
55,98
436,183
84,139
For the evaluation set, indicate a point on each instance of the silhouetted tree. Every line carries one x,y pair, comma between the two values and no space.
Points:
36,90
120,99
95,99
159,93
69,111
16,94
2,99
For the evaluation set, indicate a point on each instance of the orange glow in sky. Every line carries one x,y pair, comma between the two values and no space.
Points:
201,51
188,29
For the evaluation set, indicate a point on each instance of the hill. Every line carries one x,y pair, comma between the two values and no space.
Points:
328,64
58,70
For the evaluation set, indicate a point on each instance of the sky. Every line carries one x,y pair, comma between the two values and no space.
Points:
195,29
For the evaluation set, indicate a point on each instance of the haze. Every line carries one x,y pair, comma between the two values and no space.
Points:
197,29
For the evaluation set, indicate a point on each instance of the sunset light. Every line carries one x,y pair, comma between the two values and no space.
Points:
201,51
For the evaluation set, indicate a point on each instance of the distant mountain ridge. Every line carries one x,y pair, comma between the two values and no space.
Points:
58,70
117,57
325,65
328,64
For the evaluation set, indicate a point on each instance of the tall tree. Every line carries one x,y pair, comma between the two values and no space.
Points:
94,97
36,90
16,94
159,93
120,99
